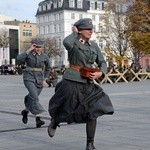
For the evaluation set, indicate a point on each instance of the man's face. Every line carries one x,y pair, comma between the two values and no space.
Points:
37,49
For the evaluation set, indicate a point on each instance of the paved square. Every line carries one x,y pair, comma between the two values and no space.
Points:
127,129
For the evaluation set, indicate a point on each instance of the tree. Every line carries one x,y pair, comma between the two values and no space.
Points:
51,47
139,27
115,25
4,41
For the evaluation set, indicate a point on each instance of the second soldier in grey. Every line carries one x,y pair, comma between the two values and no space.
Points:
34,76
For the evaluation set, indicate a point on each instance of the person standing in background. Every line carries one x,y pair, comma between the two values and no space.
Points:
77,98
34,76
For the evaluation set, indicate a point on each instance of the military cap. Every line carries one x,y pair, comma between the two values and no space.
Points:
37,41
84,23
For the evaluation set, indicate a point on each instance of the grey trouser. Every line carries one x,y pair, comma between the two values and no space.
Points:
31,100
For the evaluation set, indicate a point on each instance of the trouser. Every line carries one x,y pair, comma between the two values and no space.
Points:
31,100
90,130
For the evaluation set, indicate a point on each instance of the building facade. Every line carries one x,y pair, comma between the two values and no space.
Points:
15,37
56,18
9,41
27,31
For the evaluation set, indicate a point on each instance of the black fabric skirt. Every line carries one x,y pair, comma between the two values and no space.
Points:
78,102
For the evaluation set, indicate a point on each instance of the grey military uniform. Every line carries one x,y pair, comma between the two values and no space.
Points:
37,69
77,99
82,55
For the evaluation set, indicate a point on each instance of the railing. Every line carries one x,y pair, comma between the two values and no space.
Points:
128,75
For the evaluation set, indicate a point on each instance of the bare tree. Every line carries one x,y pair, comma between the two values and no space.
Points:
51,47
4,41
114,23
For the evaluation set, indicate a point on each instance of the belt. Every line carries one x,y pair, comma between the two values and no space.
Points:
79,68
75,67
34,69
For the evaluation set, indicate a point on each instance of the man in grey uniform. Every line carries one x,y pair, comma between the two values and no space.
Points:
34,76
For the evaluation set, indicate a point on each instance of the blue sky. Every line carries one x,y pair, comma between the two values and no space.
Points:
20,9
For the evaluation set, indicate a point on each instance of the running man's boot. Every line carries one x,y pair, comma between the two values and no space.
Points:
24,114
39,122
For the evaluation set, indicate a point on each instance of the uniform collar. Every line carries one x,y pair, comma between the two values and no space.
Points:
84,42
34,53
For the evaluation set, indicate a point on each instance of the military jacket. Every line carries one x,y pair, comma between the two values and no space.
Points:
39,62
82,54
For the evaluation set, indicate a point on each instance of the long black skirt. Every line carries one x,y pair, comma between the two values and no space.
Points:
78,102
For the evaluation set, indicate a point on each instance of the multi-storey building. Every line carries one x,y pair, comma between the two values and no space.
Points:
27,32
56,18
9,41
19,35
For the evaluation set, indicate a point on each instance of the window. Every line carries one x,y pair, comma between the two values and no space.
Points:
49,6
100,17
71,3
54,16
99,6
72,16
40,8
27,32
44,7
92,5
59,43
55,28
46,29
79,4
60,16
93,17
60,3
80,16
103,6
55,5
46,18
59,27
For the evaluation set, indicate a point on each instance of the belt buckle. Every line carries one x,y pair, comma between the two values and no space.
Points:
35,69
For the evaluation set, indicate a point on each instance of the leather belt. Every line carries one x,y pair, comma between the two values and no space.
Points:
75,67
84,71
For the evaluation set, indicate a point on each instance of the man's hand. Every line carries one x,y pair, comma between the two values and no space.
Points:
32,47
44,83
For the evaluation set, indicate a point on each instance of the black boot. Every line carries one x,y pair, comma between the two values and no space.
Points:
90,130
24,114
52,128
39,122
90,146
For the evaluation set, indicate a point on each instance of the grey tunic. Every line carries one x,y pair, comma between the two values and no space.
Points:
82,55
77,99
37,69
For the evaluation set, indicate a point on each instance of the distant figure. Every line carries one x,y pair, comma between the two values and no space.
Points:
34,76
148,68
53,77
63,68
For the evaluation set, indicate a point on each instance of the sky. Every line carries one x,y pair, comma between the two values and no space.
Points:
20,9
